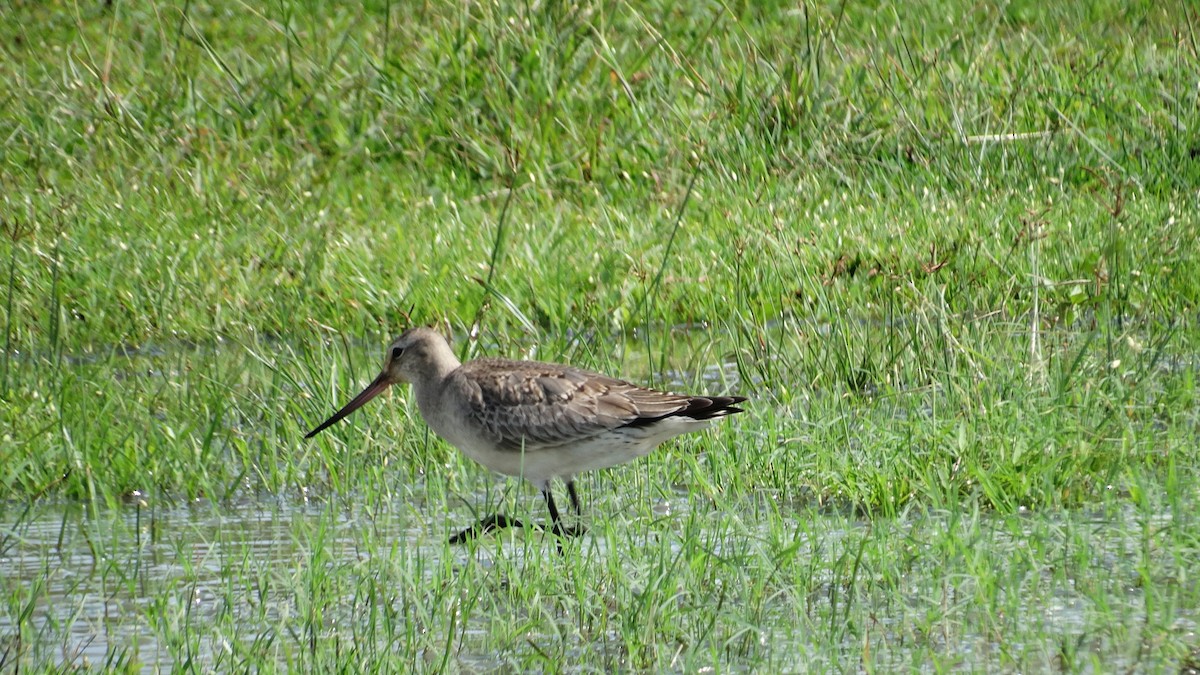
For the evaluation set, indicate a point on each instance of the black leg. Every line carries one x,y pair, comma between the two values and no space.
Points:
556,523
494,522
499,521
574,497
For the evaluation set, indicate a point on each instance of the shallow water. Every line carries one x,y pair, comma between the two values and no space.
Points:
263,582
129,584
204,584
101,575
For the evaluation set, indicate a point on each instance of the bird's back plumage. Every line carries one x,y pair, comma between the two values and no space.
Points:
527,405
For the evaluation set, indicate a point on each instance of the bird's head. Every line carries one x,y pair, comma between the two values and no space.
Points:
417,355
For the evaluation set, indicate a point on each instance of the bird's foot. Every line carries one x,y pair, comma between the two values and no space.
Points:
499,521
569,530
562,532
496,521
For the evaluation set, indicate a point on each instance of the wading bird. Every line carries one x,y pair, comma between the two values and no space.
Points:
539,421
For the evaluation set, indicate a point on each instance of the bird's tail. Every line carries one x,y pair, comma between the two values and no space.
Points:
711,407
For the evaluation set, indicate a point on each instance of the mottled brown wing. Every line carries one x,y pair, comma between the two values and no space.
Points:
529,405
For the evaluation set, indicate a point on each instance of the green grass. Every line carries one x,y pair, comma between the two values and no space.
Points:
948,250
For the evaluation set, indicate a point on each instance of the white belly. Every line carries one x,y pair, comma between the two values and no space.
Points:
540,464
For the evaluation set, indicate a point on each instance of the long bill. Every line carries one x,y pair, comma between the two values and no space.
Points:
374,389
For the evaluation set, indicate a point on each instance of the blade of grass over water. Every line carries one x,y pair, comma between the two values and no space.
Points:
947,249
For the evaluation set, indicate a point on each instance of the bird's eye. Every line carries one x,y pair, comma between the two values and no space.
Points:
396,352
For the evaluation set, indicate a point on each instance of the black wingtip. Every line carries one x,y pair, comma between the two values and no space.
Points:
708,407
698,408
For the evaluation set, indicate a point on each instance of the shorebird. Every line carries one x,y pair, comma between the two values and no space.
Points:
539,421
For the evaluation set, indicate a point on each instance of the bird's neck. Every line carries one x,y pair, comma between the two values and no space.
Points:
434,373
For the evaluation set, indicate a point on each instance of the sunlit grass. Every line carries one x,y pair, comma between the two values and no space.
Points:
948,250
